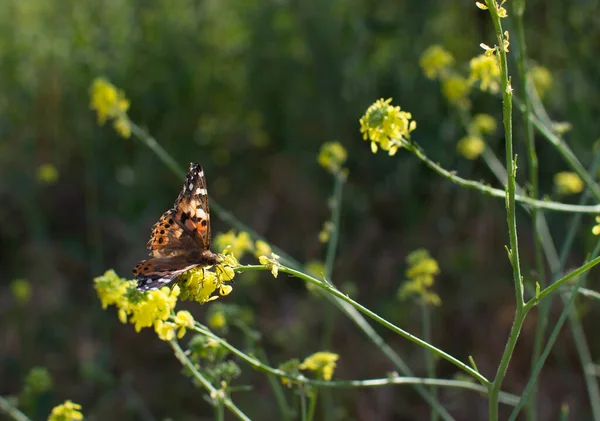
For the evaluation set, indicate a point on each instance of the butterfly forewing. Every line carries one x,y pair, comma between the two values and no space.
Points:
180,240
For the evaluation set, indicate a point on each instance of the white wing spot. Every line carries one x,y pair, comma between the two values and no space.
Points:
191,186
200,213
201,191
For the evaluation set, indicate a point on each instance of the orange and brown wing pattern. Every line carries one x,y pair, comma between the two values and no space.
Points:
169,238
191,206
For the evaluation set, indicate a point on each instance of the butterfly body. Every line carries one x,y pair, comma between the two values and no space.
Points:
180,240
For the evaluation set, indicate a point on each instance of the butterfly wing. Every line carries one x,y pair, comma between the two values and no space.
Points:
180,236
187,225
158,272
191,206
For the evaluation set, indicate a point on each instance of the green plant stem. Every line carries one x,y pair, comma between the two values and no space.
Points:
513,252
530,387
312,404
258,365
348,310
490,191
333,291
330,315
429,360
589,293
532,159
225,400
219,412
12,411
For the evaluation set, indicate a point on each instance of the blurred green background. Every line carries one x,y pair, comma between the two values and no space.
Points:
250,90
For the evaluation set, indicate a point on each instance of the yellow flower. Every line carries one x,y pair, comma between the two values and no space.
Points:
261,248
484,124
596,228
568,183
238,244
421,274
21,289
321,363
200,284
47,174
470,147
164,330
157,305
315,268
386,126
435,61
217,320
456,89
541,78
486,70
68,411
271,263
122,127
326,231
332,156
111,289
183,320
107,100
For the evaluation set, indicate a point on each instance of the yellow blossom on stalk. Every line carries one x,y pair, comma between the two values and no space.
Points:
421,272
326,231
156,305
321,363
435,61
567,182
501,10
271,263
261,248
484,124
239,244
68,411
386,126
217,320
596,228
470,147
456,89
486,70
110,103
332,156
21,290
47,174
199,284
541,78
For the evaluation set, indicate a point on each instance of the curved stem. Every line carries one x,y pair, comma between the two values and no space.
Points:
11,410
490,191
335,292
225,400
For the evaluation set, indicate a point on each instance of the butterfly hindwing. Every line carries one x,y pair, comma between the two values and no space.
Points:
158,272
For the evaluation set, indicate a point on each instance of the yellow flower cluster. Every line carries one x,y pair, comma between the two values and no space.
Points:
68,411
435,61
596,228
386,126
421,272
271,263
500,10
567,182
332,156
110,103
456,89
47,174
470,146
321,363
241,243
542,79
485,69
21,290
484,124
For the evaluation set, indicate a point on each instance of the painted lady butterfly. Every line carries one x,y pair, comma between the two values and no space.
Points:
180,240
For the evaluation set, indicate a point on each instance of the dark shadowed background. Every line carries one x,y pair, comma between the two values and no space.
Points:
251,90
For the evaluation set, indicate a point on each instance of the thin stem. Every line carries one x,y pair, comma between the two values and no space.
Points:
429,360
11,410
332,290
225,400
490,191
552,288
530,387
312,404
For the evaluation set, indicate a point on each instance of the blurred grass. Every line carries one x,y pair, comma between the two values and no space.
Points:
251,90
